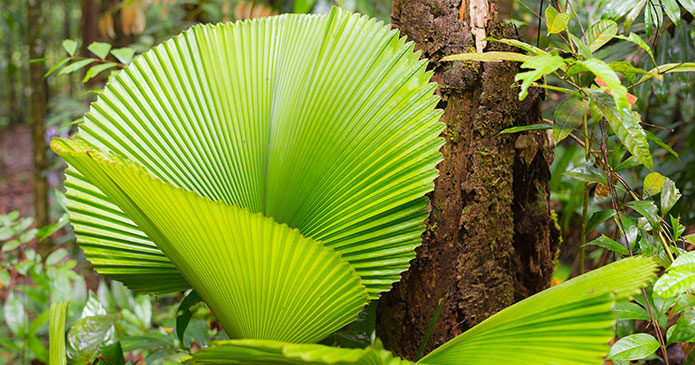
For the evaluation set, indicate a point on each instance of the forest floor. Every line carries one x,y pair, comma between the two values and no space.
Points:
16,185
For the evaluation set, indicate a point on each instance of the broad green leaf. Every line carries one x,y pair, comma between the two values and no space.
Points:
626,126
630,310
672,10
653,183
569,114
258,262
689,5
584,50
598,218
525,128
655,139
75,66
608,243
100,49
56,66
184,314
587,173
111,355
343,91
633,347
519,44
600,33
626,69
633,14
273,352
15,317
70,46
87,335
653,18
567,324
556,21
37,348
679,277
636,39
683,330
541,66
669,196
95,70
646,209
494,56
684,302
603,71
123,55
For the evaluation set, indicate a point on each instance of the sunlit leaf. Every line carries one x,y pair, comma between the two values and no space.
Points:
56,66
679,277
100,49
541,66
58,312
494,56
600,33
672,10
525,128
70,46
669,196
95,70
553,326
633,347
653,183
75,66
556,21
123,55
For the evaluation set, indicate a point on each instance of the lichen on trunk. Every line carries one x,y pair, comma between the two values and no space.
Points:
489,240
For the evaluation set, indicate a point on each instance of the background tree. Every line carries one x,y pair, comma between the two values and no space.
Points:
38,100
490,240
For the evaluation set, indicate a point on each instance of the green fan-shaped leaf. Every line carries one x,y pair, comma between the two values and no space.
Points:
273,352
566,324
261,279
323,122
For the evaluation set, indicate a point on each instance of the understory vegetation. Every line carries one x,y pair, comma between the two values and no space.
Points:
226,182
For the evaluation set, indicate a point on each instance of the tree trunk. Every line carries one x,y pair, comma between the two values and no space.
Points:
89,24
38,98
490,240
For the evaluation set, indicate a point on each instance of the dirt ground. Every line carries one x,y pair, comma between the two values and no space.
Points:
16,170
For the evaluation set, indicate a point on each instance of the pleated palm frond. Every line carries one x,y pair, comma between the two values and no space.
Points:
263,352
326,123
568,324
260,278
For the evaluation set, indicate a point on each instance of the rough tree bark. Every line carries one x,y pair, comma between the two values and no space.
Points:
38,99
490,240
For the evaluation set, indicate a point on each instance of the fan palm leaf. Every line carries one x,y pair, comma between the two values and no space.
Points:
567,324
325,123
262,279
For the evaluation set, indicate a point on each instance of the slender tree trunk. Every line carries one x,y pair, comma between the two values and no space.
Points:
13,102
490,240
89,23
38,98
